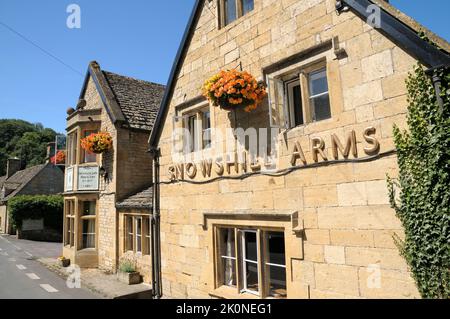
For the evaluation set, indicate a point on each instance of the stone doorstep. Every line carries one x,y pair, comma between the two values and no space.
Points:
105,285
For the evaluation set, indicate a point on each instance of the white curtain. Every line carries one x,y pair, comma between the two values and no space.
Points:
229,263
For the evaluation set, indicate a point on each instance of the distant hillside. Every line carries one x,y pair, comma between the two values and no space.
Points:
24,140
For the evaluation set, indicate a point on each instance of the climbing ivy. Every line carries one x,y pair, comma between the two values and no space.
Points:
421,195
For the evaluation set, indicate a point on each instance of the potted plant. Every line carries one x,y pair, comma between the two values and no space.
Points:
234,89
64,262
127,272
97,143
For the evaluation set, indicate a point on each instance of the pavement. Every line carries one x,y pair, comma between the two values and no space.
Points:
23,277
102,283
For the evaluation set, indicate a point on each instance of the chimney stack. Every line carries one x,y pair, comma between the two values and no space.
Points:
51,148
13,166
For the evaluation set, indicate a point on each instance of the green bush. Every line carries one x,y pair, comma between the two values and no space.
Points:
50,208
423,202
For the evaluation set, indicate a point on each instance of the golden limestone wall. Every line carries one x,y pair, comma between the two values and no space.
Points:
344,207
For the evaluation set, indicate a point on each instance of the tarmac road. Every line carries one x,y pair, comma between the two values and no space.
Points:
22,277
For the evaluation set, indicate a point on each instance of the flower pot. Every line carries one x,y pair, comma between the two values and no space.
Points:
129,278
64,263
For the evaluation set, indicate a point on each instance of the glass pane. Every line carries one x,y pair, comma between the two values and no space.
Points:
227,246
192,133
247,6
129,232
297,105
89,208
230,11
275,246
251,252
139,226
88,157
89,233
318,82
277,281
138,243
229,271
275,254
72,231
252,276
206,122
321,107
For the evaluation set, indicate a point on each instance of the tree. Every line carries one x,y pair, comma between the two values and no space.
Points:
24,140
423,202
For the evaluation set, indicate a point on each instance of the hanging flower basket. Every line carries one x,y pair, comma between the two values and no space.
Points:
234,89
59,158
97,143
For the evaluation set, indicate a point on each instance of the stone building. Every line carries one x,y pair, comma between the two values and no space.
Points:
308,216
98,213
45,179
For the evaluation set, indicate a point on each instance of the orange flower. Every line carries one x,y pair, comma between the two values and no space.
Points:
97,143
234,88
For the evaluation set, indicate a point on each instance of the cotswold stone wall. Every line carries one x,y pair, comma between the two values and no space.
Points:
128,169
344,207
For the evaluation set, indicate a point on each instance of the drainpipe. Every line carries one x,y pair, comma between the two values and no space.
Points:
434,73
155,236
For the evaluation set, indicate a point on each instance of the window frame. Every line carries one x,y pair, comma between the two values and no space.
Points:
69,223
222,257
84,153
72,147
223,12
195,142
129,233
279,80
138,236
245,261
132,237
240,259
311,96
87,218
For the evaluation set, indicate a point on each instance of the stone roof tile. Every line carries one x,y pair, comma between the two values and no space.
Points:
139,100
140,200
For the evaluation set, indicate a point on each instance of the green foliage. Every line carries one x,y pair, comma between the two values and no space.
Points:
127,264
423,202
50,208
23,140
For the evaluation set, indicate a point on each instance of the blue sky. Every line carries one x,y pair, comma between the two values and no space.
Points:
138,38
